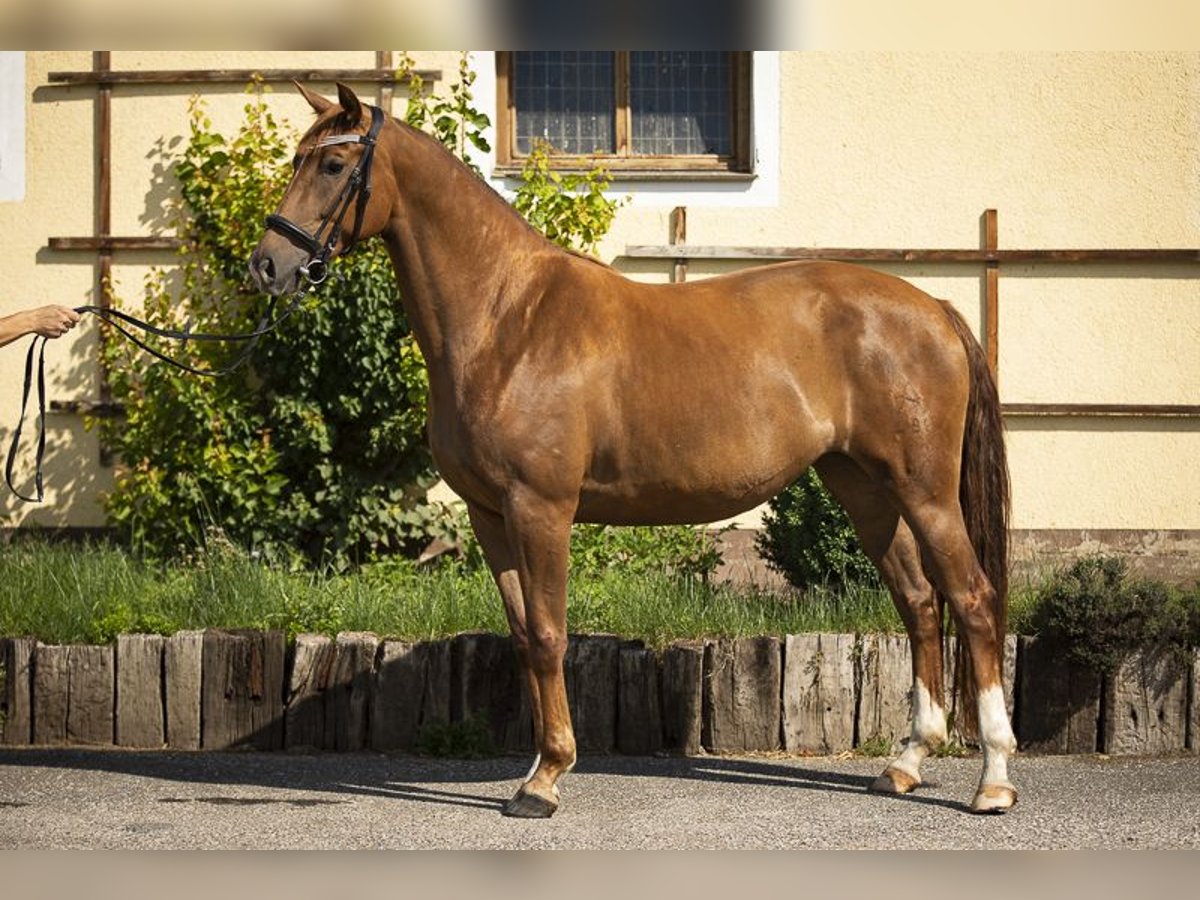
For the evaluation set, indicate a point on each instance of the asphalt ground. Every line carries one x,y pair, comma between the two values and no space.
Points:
109,799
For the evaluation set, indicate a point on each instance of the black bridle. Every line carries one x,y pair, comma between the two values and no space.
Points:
357,188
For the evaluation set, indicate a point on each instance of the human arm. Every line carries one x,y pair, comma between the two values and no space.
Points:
49,321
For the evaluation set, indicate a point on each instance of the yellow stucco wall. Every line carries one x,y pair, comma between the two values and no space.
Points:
871,149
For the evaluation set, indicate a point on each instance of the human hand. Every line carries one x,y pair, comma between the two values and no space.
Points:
52,321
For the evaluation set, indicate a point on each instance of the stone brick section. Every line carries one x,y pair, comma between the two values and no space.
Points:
742,694
183,656
590,668
485,685
1146,706
412,691
16,691
818,693
1058,702
242,690
140,714
639,719
885,689
348,698
308,680
681,693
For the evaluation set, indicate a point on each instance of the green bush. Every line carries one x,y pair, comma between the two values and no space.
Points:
644,550
1100,614
807,537
316,450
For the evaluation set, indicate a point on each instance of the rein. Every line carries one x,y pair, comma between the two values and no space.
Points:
357,190
37,350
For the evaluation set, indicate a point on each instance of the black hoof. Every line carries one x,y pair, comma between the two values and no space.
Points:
528,806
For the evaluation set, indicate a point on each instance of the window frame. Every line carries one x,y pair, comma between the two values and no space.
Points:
738,165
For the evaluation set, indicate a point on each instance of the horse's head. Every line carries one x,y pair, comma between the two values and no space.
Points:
331,202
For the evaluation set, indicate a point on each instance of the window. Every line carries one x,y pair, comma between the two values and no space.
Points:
636,112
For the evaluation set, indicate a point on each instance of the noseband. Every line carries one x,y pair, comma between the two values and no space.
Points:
358,186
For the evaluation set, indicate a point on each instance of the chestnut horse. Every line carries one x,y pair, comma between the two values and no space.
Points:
560,391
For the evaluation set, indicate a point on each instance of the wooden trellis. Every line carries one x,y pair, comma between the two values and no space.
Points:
990,257
103,242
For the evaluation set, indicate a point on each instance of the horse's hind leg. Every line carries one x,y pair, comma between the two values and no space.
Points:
888,542
937,523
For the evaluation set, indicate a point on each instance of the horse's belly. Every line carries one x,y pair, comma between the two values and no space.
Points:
687,494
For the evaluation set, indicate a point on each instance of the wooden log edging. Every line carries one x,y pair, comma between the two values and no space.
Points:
807,693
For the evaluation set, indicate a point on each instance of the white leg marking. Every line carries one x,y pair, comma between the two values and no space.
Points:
928,731
995,733
537,761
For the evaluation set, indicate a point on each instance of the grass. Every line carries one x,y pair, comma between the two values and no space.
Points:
67,593
62,592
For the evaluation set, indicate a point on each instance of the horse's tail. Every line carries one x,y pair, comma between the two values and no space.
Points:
983,494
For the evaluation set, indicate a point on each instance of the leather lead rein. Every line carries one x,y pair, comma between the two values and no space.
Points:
358,188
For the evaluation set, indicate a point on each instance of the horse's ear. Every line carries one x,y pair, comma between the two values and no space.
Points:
316,101
350,103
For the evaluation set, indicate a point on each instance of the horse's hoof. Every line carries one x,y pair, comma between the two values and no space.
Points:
894,781
994,798
526,805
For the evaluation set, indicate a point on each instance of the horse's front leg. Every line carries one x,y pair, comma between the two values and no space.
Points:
493,540
539,534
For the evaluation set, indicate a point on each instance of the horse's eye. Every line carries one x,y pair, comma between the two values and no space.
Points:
333,167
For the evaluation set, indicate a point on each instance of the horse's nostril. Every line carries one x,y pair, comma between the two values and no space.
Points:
267,267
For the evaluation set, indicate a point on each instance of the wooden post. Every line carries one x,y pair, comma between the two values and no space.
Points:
678,235
639,720
885,689
304,716
384,61
140,714
991,343
16,693
818,693
242,690
590,670
1058,702
1193,728
486,685
348,698
412,690
682,696
182,667
91,690
1146,706
51,666
743,679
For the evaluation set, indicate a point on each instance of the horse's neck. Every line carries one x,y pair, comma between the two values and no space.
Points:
461,253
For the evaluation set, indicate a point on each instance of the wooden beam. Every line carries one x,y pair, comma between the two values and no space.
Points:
110,242
1105,410
385,76
101,64
1186,255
